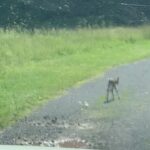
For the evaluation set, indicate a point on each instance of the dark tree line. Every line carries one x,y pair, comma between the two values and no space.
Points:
72,13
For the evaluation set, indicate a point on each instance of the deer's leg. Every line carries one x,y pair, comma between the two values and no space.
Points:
112,92
107,95
117,92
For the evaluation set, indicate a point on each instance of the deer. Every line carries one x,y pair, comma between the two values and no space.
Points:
111,87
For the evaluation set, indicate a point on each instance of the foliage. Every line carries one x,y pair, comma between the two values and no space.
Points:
71,13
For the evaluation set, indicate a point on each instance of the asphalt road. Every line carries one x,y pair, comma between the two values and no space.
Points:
130,132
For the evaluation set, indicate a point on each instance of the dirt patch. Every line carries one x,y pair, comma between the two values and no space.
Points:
72,143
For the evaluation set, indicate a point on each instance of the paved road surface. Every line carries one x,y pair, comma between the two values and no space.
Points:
129,132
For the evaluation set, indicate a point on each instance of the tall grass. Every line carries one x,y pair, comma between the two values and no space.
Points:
36,67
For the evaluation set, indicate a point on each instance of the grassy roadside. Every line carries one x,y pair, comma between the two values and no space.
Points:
37,67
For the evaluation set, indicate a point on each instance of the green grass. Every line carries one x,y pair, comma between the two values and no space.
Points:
37,67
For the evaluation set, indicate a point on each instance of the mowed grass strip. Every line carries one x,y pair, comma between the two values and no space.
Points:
37,67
